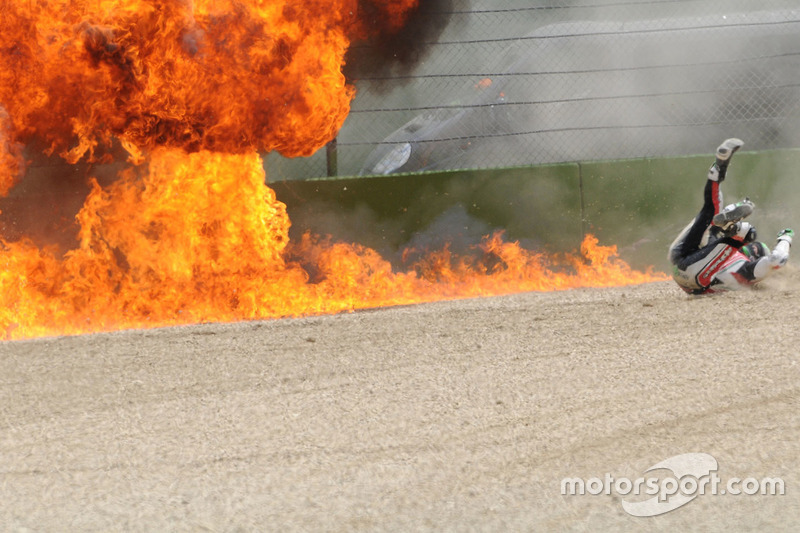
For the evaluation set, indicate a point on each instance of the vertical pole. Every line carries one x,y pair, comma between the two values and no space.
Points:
332,156
583,205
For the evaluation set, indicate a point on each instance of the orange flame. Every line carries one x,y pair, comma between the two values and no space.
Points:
191,233
225,75
201,238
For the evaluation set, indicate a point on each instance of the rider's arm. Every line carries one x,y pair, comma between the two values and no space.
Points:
756,271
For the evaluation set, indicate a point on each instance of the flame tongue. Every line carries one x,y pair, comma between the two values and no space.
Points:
196,234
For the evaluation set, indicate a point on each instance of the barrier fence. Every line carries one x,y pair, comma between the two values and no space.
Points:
534,82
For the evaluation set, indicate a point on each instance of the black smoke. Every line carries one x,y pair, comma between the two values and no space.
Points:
392,53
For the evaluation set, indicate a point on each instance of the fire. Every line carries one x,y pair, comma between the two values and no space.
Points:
190,232
200,237
224,75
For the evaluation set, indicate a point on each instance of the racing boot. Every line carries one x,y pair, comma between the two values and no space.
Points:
733,213
723,157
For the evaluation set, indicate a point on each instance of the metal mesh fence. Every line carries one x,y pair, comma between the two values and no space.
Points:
528,82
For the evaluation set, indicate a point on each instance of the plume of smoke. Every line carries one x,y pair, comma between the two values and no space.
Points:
391,51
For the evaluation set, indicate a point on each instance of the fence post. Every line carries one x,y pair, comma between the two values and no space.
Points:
332,156
583,205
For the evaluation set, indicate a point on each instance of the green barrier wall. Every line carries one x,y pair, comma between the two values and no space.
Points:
639,205
642,205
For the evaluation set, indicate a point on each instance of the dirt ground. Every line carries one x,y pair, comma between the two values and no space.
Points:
461,415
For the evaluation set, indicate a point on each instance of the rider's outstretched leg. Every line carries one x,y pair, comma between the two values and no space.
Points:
690,239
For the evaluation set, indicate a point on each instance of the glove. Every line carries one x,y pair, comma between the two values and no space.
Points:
786,235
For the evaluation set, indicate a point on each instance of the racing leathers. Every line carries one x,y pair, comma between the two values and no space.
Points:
718,250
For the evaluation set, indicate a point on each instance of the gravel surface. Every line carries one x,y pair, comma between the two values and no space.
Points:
461,415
